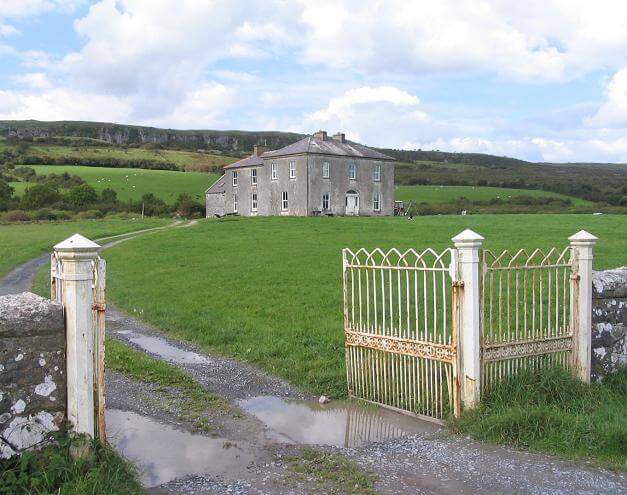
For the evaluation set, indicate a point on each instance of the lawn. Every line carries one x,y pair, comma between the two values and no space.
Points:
132,183
187,160
446,194
268,290
22,242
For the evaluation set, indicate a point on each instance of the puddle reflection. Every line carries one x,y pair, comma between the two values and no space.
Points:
342,423
167,351
163,453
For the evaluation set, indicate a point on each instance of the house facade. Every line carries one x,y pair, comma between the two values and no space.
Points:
318,175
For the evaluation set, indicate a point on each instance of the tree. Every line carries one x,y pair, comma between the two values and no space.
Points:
81,196
153,206
39,196
186,206
6,192
109,196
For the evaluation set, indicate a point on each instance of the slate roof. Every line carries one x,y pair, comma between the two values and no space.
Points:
249,161
217,187
329,146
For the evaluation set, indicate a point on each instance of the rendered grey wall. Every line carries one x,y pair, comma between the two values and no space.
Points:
338,184
32,371
215,204
609,322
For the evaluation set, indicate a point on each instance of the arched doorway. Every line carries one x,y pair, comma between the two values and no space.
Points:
352,203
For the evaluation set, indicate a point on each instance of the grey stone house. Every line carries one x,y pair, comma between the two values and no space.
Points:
318,175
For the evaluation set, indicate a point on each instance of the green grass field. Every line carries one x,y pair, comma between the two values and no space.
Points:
22,242
132,183
446,194
188,160
268,290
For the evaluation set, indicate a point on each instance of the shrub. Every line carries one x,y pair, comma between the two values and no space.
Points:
15,216
44,214
88,215
81,196
39,196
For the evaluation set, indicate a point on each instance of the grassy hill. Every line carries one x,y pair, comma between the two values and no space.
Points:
132,183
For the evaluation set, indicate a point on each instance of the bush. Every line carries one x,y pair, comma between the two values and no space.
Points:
88,215
44,214
81,196
15,216
39,196
186,206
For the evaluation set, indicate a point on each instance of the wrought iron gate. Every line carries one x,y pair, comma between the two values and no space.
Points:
401,329
527,306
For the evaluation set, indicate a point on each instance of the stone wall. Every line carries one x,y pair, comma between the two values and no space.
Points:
609,322
32,371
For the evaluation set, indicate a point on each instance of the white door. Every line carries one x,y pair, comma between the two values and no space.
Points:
352,204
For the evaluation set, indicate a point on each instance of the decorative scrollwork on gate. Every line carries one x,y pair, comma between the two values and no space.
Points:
522,349
425,350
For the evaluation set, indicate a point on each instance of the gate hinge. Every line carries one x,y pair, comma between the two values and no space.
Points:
575,277
99,306
458,283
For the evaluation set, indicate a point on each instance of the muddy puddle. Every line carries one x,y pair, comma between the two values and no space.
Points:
163,349
340,423
163,453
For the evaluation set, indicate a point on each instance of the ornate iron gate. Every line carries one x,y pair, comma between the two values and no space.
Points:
527,307
401,329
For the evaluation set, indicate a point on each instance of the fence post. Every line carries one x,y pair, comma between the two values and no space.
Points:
582,244
76,256
468,244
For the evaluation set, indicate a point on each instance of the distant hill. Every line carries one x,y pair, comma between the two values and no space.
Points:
598,182
128,135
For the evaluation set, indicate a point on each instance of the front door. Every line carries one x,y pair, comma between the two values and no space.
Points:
352,203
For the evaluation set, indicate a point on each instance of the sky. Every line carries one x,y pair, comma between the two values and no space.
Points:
542,80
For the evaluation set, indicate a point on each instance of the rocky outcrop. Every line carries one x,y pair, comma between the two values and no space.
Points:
122,135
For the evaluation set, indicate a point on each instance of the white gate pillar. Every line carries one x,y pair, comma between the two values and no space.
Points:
582,244
76,256
468,244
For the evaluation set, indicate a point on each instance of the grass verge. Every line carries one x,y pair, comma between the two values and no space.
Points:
552,412
337,474
190,398
53,471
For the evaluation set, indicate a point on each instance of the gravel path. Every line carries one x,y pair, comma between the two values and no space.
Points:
424,463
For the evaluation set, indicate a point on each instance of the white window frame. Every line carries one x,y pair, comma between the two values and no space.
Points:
376,173
376,202
234,178
274,172
253,202
326,197
292,169
253,176
284,201
326,170
352,171
235,203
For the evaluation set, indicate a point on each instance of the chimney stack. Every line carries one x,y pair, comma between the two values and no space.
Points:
321,135
340,137
259,149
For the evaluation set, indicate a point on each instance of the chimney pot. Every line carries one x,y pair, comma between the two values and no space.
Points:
322,135
340,137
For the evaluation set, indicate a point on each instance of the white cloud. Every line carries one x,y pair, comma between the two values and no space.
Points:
613,112
7,30
33,80
62,104
529,41
371,114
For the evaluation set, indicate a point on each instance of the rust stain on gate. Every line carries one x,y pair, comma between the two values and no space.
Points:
401,322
